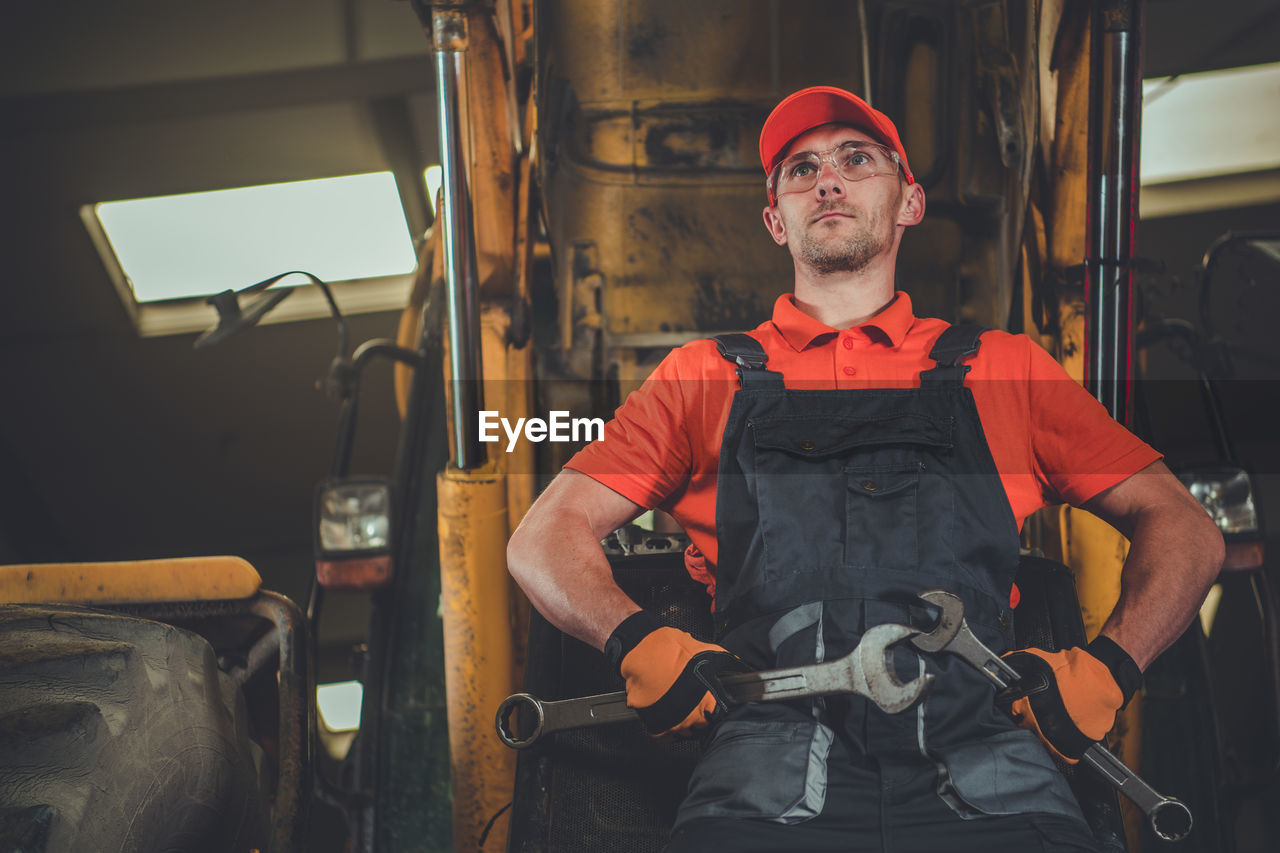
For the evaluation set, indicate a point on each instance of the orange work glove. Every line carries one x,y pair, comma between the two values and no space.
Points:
671,677
1070,698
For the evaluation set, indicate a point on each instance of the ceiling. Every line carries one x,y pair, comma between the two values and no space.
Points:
118,447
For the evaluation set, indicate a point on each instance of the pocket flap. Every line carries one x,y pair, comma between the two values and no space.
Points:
881,482
812,437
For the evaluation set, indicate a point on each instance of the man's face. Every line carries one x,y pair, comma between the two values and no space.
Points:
838,225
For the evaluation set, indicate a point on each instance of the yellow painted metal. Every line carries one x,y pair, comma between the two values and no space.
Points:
650,174
508,390
180,579
475,600
1093,545
490,145
519,464
652,185
485,616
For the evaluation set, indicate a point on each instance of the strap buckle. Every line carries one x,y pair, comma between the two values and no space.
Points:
950,355
742,350
749,362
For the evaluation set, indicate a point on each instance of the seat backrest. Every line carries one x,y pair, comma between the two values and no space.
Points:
610,788
1048,617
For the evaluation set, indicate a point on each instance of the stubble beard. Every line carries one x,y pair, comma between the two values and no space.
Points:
850,254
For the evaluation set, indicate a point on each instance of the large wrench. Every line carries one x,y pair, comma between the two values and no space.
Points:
1170,817
866,671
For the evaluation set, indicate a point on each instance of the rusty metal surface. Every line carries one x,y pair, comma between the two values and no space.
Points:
297,722
648,124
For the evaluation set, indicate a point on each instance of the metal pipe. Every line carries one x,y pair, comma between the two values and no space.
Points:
1115,103
475,601
297,720
866,52
449,37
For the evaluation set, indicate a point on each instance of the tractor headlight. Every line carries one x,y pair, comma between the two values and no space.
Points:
353,533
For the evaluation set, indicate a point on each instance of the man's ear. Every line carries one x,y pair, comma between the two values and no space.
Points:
911,211
773,222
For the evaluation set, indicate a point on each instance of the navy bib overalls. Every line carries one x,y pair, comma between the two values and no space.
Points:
834,508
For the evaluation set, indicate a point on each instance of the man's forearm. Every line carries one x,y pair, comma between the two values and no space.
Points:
1175,554
556,558
1162,586
568,579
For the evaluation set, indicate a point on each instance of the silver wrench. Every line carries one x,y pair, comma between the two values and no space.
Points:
1170,817
866,671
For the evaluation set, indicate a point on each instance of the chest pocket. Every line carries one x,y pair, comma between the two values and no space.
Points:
839,490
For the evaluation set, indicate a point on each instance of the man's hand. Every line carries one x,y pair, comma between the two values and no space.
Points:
671,677
1073,695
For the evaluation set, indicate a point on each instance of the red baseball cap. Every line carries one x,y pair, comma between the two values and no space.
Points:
819,105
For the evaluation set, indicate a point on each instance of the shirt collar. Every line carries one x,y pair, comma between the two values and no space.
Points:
800,330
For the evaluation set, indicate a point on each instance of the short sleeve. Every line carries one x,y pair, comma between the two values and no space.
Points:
1079,449
645,453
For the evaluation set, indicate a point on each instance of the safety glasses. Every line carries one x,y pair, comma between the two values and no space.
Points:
853,161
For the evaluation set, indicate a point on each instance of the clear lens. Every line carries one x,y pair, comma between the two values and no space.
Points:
355,517
1227,495
853,161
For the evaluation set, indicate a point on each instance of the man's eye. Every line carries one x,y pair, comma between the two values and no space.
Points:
800,170
857,158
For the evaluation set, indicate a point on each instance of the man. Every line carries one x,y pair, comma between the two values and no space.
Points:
827,465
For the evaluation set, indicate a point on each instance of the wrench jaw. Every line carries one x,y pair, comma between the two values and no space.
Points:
949,623
952,635
883,687
521,704
1171,820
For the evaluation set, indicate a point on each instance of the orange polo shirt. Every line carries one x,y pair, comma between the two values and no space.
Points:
1051,441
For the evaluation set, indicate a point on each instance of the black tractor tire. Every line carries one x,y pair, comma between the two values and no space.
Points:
120,735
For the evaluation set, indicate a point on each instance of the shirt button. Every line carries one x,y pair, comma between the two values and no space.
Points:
849,371
848,343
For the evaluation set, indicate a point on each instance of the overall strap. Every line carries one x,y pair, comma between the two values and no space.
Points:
953,346
746,352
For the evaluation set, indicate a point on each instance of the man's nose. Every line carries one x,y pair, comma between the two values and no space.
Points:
829,179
